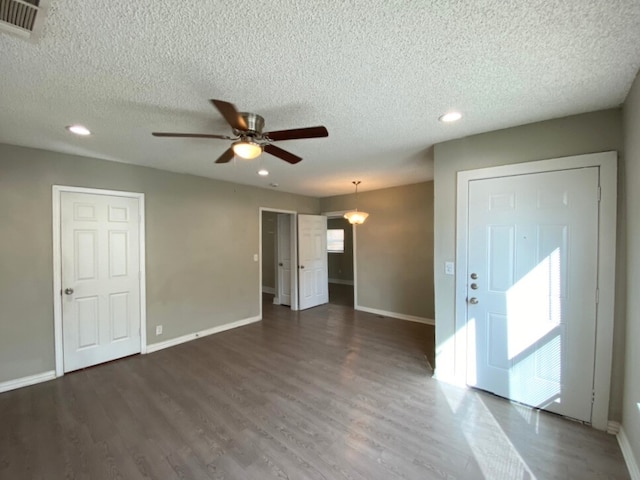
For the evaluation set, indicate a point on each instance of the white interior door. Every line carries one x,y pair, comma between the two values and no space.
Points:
100,278
284,259
532,288
313,261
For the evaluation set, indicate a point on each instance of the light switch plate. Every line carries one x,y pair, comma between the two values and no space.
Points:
255,257
449,268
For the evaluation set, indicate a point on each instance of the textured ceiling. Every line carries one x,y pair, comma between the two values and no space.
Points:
376,74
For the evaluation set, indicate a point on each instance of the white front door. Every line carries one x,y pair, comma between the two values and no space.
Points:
313,262
532,286
100,278
284,273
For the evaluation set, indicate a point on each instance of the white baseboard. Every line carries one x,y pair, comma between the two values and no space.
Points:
270,290
341,282
26,381
154,347
613,428
400,316
627,452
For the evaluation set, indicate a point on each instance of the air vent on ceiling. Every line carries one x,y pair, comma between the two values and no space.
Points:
22,17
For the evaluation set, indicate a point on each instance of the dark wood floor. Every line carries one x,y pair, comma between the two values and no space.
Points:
328,393
341,294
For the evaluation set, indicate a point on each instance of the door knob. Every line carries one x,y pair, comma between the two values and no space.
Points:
474,276
68,291
280,265
301,266
473,301
474,286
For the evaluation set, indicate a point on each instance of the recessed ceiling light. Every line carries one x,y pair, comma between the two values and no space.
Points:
79,130
450,117
263,172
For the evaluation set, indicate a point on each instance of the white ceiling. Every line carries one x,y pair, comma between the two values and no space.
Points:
376,74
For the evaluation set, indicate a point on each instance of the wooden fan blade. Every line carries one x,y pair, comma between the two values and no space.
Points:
230,114
226,156
297,133
283,154
190,135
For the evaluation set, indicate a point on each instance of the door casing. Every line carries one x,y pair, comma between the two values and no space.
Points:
607,164
57,266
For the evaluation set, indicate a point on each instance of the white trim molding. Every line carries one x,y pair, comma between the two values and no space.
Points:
56,192
606,162
399,316
26,381
339,281
613,428
154,347
627,453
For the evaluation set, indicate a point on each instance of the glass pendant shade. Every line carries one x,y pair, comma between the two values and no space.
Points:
247,149
356,217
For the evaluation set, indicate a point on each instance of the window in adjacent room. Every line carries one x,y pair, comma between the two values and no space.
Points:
335,240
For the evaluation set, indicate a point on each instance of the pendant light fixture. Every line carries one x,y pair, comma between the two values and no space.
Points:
356,217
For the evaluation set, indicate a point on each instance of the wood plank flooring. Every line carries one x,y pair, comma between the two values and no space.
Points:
328,393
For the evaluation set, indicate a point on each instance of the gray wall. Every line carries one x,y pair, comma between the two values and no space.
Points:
631,398
341,264
579,134
201,238
269,237
394,248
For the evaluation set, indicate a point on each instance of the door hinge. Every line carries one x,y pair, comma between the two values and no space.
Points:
599,193
593,396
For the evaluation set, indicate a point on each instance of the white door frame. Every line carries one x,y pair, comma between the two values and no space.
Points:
57,190
607,163
340,214
294,256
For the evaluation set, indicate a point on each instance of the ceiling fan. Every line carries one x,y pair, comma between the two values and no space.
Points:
249,139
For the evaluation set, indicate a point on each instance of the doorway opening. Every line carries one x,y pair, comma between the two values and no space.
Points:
341,236
278,258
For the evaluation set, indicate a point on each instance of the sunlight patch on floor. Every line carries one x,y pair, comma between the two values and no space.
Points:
496,455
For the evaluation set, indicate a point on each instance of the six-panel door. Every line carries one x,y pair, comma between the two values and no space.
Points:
100,278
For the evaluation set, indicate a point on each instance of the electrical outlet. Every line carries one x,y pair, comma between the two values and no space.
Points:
158,329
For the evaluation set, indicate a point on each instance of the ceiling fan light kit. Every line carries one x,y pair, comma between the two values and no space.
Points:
247,149
356,217
249,140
